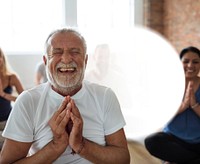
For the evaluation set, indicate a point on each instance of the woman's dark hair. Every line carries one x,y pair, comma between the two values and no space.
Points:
189,49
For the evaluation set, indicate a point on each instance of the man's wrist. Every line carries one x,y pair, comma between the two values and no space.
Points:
81,146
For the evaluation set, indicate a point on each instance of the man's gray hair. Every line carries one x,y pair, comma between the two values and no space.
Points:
65,30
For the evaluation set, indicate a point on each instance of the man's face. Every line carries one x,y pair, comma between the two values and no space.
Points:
66,62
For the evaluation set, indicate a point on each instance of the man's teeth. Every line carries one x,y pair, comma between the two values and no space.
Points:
67,69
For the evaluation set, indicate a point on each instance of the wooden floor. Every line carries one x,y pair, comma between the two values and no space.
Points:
139,154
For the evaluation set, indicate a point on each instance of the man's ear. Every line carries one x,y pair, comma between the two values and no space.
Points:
44,59
86,59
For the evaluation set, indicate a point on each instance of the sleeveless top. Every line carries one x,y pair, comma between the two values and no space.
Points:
5,105
186,125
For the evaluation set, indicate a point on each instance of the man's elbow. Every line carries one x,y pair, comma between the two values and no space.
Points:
128,158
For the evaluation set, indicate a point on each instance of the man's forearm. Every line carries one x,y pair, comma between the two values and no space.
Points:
105,154
47,155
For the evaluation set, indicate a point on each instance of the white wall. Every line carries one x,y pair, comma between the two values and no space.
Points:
24,66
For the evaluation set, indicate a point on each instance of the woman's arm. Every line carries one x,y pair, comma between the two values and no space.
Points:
14,81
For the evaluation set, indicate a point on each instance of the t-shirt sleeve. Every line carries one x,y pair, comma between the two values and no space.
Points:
113,117
19,125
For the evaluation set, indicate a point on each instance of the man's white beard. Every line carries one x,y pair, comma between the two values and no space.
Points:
66,85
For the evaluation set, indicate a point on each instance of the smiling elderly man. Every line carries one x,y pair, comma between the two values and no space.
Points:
67,119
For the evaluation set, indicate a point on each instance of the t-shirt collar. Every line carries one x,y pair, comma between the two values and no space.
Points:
78,95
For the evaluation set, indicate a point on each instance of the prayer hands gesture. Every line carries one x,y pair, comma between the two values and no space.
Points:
67,125
189,99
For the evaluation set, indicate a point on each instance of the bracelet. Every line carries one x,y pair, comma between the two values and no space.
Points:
195,105
80,148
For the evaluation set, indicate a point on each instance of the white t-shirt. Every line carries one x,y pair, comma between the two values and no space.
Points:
28,121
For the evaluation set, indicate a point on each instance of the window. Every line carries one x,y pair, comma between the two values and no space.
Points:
105,13
98,17
26,24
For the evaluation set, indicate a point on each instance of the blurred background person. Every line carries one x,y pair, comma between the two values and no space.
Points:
101,58
106,72
9,82
40,73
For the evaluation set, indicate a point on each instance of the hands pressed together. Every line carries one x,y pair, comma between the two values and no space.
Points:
67,126
189,99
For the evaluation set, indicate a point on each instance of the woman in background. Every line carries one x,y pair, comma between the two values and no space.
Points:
8,80
179,141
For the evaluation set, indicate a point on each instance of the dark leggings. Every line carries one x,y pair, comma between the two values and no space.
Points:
172,149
